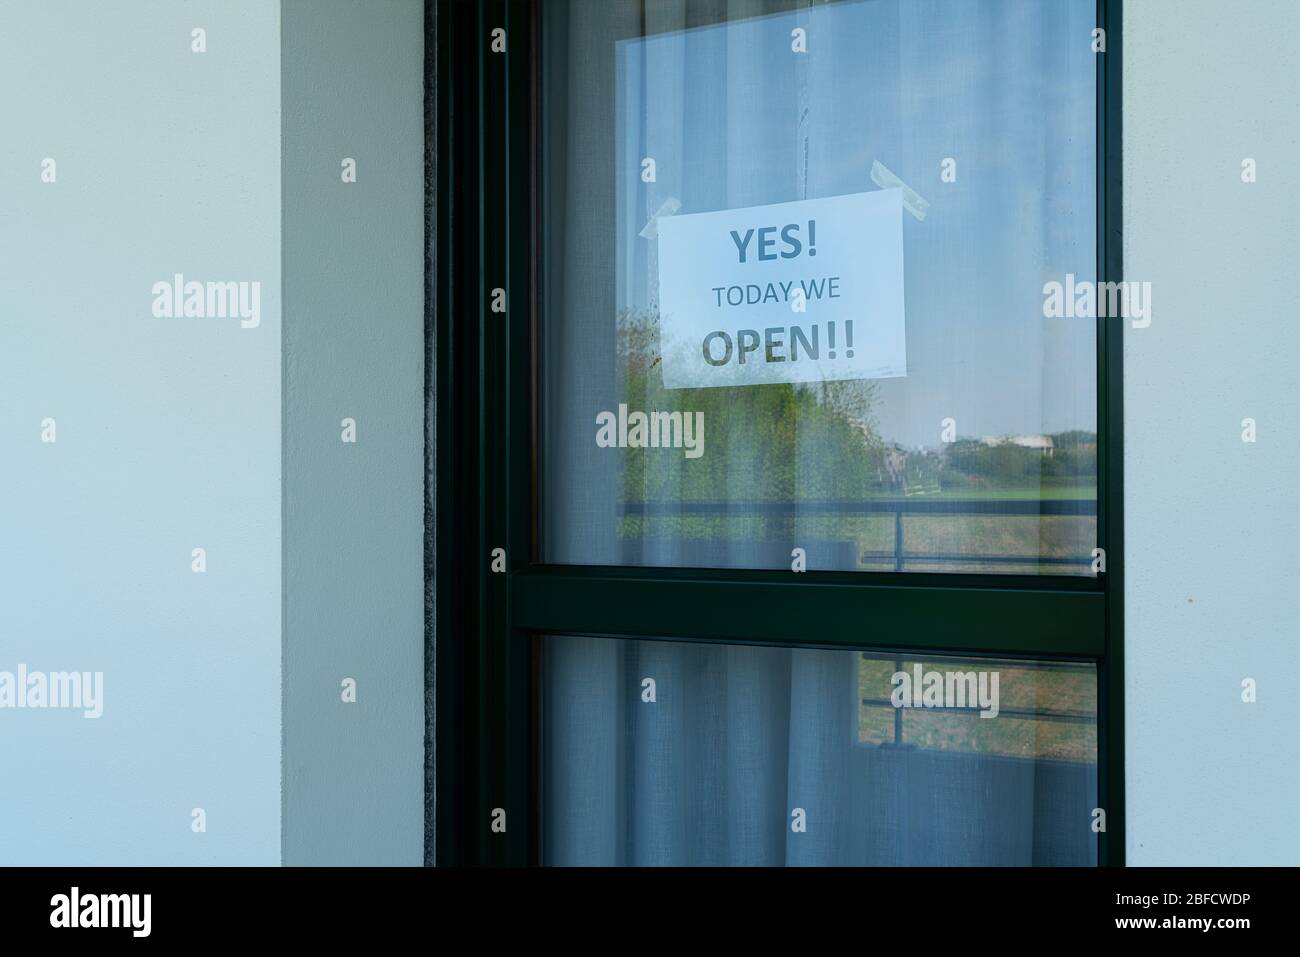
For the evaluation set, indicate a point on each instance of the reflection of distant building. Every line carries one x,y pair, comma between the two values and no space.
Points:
1043,443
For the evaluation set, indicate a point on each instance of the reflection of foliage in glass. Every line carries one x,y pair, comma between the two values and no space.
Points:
818,442
763,443
972,463
810,441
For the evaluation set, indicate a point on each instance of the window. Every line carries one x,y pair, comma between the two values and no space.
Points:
676,753
812,607
977,451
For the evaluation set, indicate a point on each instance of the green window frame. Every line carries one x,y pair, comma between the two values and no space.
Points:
483,628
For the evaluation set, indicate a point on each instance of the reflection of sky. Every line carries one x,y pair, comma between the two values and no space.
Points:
733,118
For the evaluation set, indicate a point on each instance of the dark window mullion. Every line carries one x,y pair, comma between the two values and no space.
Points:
1110,422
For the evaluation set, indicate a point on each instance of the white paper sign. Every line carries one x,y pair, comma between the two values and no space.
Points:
793,292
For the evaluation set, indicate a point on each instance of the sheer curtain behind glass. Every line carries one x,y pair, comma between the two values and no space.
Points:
773,756
858,473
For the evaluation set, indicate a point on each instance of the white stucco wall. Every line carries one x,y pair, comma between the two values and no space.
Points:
1212,522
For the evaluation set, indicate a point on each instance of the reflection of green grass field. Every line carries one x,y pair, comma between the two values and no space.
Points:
1029,536
1023,686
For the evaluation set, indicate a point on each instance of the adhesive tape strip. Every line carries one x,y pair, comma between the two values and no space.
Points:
884,177
669,207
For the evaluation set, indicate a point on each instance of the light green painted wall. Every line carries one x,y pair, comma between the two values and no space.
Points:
167,430
1212,525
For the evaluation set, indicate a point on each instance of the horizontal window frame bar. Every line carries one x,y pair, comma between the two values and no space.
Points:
811,610
957,661
978,581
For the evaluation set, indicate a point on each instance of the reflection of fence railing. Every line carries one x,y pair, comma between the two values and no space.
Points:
899,556
1070,717
1036,714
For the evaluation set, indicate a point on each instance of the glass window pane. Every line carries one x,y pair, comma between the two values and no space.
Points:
968,444
770,756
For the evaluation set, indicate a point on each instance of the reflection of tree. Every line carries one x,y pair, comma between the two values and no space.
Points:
763,443
816,442
972,463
